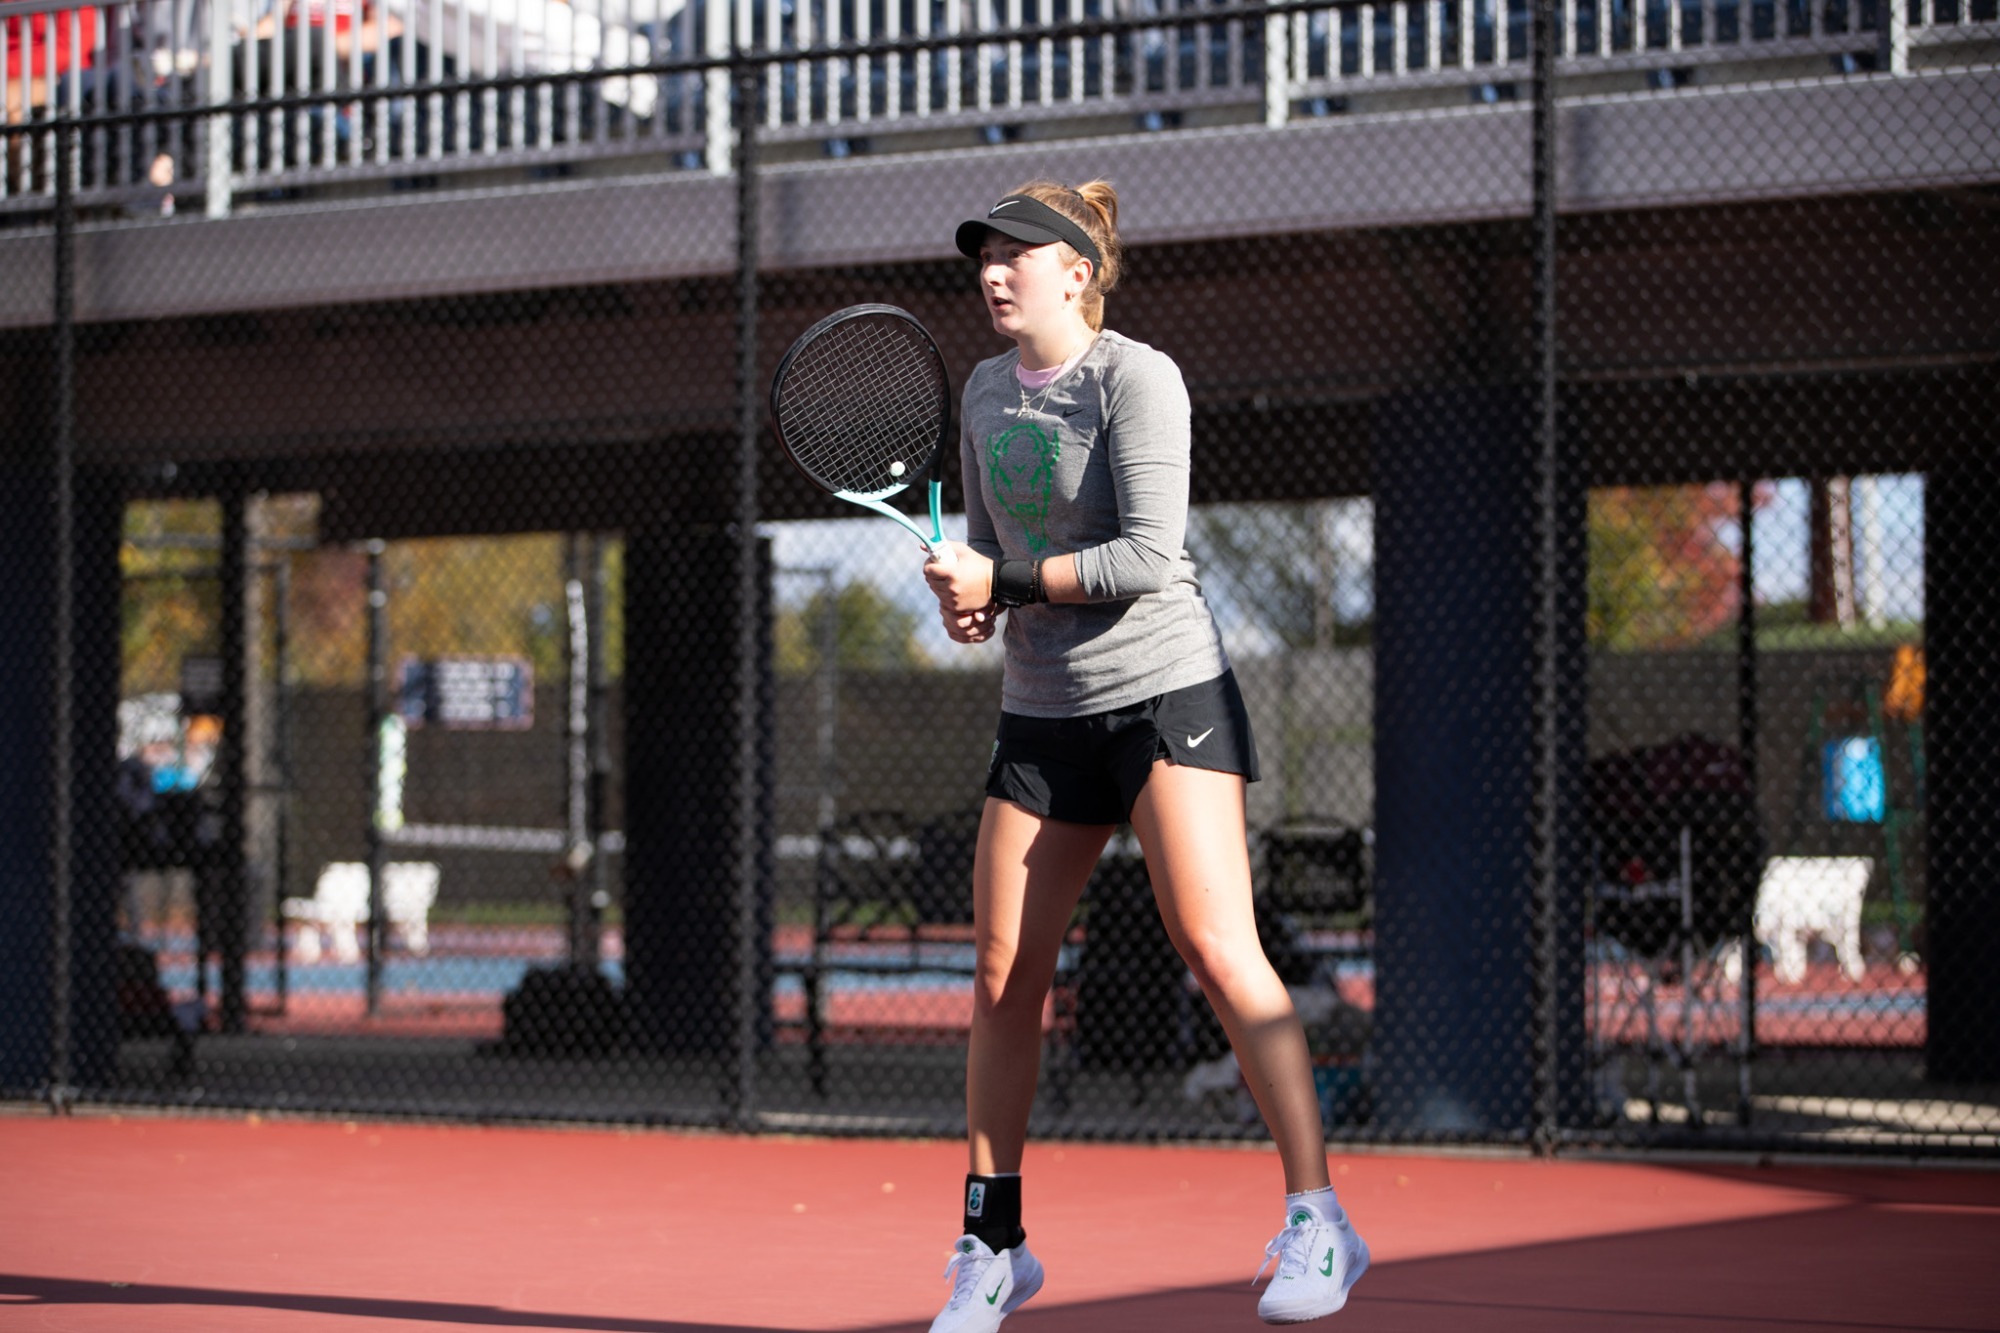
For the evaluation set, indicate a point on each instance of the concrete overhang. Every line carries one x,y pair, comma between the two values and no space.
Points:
1687,147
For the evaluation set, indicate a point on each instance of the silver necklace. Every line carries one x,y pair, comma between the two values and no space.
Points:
1041,400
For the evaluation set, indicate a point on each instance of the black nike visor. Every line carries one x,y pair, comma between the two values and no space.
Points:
1027,219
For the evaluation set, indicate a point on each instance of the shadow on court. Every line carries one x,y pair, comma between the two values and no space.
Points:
19,1292
1887,1266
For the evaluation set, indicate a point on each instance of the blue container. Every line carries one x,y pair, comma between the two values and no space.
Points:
1852,782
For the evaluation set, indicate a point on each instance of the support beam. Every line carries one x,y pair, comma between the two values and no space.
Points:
29,995
27,741
682,757
1962,731
1458,613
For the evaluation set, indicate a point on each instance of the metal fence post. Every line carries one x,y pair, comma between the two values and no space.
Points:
1748,728
63,765
1550,827
281,639
748,632
377,687
233,758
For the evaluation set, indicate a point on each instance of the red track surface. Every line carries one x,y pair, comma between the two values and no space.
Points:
159,1224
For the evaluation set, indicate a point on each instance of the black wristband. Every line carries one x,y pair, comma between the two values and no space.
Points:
1017,583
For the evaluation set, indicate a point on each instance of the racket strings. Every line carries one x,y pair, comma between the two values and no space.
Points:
862,406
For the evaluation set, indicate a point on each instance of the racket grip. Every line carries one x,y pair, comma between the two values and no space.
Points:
942,554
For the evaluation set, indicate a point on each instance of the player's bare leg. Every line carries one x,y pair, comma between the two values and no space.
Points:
1190,823
1028,874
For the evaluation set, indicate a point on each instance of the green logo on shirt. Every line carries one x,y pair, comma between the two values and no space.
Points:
1020,471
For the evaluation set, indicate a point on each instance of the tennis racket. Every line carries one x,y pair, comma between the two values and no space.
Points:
862,406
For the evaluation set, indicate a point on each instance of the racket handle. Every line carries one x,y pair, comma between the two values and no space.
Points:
942,554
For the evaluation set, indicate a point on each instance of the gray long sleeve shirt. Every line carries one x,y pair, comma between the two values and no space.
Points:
1096,465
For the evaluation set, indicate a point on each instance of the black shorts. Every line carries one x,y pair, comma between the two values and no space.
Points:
1091,769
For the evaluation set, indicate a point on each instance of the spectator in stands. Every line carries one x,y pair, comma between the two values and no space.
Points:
372,33
1118,704
43,52
50,56
312,46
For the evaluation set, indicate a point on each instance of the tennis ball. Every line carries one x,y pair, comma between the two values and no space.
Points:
896,468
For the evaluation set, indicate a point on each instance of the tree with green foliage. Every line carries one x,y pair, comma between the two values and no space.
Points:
871,633
171,608
483,596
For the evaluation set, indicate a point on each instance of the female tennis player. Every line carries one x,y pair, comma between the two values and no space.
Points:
1118,706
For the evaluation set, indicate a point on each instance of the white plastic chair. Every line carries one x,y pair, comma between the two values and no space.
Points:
1802,897
339,907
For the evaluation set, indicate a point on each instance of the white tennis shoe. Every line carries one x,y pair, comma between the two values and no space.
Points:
986,1287
1318,1261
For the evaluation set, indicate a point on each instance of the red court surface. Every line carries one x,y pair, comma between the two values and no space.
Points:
142,1224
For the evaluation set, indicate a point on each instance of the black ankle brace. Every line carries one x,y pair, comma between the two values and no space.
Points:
993,1210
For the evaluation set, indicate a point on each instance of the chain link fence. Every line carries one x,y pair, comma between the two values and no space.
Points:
430,692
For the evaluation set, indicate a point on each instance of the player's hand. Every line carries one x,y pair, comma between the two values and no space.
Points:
971,626
964,585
